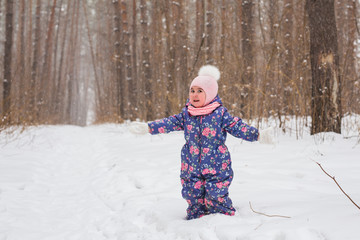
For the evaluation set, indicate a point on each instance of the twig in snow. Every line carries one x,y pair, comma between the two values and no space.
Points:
348,137
333,178
266,214
258,227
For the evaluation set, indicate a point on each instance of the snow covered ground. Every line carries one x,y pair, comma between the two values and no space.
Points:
102,182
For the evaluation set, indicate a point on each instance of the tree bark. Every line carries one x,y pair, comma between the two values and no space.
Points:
326,82
287,59
134,88
70,65
60,90
20,75
118,61
28,63
200,34
7,61
247,33
46,80
271,74
146,65
210,38
223,28
171,98
180,48
346,22
34,69
128,96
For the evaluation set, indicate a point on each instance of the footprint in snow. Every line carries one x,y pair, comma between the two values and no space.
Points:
138,185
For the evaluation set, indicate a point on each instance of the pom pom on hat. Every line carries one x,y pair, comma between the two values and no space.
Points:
207,80
210,70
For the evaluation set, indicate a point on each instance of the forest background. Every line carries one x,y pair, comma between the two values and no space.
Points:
89,61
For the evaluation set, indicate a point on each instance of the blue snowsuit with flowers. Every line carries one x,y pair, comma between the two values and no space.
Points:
206,172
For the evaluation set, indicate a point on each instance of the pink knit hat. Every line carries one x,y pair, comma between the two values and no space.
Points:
207,80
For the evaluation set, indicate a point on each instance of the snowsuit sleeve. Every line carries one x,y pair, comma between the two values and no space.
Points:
236,127
166,125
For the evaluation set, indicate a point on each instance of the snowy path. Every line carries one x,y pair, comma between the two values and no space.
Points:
101,182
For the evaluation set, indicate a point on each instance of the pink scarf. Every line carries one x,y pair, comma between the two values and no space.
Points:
203,110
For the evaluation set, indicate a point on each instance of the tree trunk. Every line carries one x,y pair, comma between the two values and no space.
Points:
70,65
34,70
287,59
92,53
183,56
46,80
59,92
247,33
223,32
146,65
127,97
210,38
326,84
118,61
7,61
351,65
171,98
346,22
271,75
75,73
302,61
134,88
200,34
20,75
55,86
28,64
158,57
180,41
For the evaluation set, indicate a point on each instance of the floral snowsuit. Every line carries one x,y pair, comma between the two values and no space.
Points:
206,172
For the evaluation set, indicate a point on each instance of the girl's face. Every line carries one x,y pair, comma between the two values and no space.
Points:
197,96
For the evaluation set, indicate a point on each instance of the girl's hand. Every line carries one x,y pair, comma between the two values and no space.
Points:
138,128
266,136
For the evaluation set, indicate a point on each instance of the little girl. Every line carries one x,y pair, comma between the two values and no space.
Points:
206,172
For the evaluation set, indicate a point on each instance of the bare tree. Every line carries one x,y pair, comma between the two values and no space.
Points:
60,90
157,54
182,47
272,61
118,59
19,73
34,69
223,30
200,33
7,61
287,58
346,22
28,65
46,80
71,66
326,84
302,70
92,52
134,59
171,87
129,96
209,28
247,44
146,65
